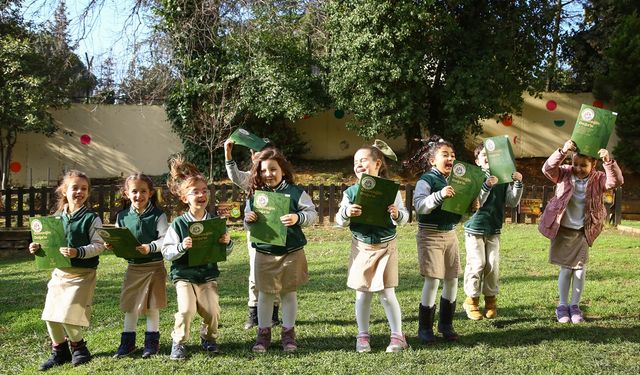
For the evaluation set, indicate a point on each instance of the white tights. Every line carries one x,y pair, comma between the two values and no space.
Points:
153,321
565,279
288,302
430,290
389,303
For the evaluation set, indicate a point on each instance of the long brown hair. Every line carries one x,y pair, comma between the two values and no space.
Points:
421,161
182,174
61,190
257,183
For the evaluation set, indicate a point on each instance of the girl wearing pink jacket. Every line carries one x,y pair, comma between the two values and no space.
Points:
574,218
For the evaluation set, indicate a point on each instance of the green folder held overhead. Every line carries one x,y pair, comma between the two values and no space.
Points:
268,228
244,138
123,242
206,248
466,180
375,194
49,233
592,130
500,157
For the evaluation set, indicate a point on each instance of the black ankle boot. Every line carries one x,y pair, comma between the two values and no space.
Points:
275,320
425,324
445,324
79,353
252,317
127,344
60,354
151,344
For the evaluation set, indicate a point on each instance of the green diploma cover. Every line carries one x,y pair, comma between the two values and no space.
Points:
374,195
49,233
268,228
500,157
244,138
466,180
592,130
206,248
122,241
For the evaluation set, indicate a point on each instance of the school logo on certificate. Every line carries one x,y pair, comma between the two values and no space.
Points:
490,145
459,170
36,226
368,183
196,229
588,114
103,233
262,200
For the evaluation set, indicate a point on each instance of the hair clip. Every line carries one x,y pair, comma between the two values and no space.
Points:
385,149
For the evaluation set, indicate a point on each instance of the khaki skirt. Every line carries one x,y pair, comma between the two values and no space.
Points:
569,248
373,267
69,296
144,287
280,273
438,254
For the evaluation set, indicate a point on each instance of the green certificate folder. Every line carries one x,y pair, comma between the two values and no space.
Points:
268,228
206,248
49,233
500,157
375,194
123,242
466,180
244,138
592,130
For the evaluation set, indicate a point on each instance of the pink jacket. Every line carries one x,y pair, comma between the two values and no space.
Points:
597,184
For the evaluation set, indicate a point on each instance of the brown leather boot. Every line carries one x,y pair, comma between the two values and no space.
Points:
263,340
490,307
288,338
472,309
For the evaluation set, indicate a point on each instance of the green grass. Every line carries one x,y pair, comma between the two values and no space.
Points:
523,339
631,223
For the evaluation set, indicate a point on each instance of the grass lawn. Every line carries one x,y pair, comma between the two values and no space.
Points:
525,338
631,223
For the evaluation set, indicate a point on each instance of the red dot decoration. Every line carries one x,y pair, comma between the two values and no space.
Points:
85,139
507,120
598,103
551,105
15,167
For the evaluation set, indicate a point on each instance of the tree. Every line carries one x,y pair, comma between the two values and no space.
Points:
106,90
32,81
440,66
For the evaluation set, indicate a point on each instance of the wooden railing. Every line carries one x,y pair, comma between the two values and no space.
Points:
17,205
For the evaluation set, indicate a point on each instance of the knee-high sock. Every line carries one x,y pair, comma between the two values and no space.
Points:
564,282
429,291
289,303
392,309
153,320
578,285
56,332
130,321
74,333
450,289
363,310
265,309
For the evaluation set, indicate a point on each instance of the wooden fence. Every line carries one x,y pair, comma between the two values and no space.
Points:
17,205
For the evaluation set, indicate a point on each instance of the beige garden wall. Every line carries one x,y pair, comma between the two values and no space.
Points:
128,138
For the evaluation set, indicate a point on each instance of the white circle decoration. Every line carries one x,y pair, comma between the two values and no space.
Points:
368,183
459,170
103,233
490,145
588,114
262,200
36,226
196,229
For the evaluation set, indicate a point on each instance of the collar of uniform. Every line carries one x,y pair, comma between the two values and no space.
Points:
71,215
187,215
146,209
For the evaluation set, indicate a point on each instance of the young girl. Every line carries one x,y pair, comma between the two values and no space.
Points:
196,286
279,269
574,218
67,307
144,289
243,180
373,264
437,241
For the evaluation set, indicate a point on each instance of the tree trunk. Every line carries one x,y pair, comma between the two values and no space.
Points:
7,141
553,58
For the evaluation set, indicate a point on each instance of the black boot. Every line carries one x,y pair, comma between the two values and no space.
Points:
252,317
127,344
79,353
426,316
151,344
445,325
60,355
275,320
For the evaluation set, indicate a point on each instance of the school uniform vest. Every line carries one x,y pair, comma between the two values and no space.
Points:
180,269
77,230
488,219
370,234
295,238
144,229
438,218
